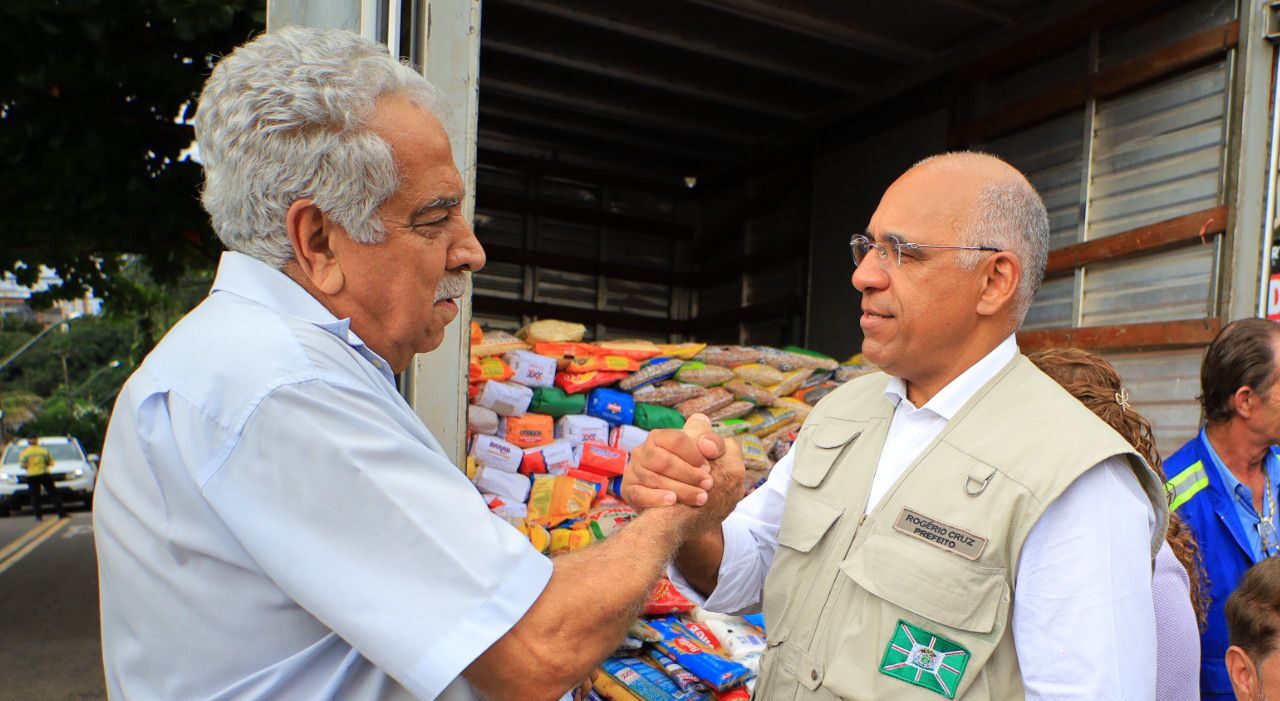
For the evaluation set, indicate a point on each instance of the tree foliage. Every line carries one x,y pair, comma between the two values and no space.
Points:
95,102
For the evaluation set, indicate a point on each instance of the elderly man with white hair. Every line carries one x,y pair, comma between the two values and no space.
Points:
273,520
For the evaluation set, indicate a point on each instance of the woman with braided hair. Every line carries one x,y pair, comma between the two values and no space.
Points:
1178,585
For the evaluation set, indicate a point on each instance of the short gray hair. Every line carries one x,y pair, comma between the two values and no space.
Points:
284,117
1008,214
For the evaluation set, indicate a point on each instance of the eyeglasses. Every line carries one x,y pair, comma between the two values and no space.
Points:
861,245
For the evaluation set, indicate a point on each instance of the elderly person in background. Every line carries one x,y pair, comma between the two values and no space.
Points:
273,520
1253,629
957,525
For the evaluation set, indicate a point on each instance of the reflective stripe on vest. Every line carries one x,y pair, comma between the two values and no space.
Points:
1186,484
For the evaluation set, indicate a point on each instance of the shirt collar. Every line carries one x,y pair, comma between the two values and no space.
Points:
1229,480
248,277
949,400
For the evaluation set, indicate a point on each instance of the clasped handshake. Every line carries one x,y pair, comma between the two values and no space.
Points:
691,470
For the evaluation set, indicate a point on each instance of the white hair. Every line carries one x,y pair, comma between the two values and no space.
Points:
284,117
1007,214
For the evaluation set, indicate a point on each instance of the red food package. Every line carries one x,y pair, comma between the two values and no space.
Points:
581,382
473,391
602,460
564,353
530,430
477,334
490,368
737,693
665,599
704,635
608,363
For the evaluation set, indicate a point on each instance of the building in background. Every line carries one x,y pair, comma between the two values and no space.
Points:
15,300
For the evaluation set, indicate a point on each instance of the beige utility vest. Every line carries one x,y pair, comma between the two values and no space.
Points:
913,600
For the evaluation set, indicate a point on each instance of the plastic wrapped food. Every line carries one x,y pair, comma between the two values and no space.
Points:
566,540
729,356
812,395
646,682
717,398
653,371
711,668
489,368
793,381
530,369
604,521
768,419
579,429
665,599
607,363
611,405
683,351
509,485
844,373
493,452
555,402
552,331
477,334
683,678
497,343
800,408
565,353
745,390
733,410
651,416
504,398
530,430
667,393
555,457
787,360
602,460
634,349
581,382
698,373
555,499
754,456
482,420
729,427
759,374
627,438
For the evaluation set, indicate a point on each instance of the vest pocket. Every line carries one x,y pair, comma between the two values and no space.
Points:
827,441
805,519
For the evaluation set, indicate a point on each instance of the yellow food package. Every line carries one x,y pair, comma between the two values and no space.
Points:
471,468
611,688
558,498
683,351
538,536
567,540
552,331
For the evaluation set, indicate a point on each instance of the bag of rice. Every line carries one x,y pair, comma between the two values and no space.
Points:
759,374
728,356
792,382
717,398
683,351
699,373
754,456
732,410
750,392
788,360
653,371
667,393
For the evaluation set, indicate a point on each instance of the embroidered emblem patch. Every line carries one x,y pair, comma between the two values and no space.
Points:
938,534
924,659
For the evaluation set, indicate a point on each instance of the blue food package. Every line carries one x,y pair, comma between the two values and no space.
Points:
679,644
645,681
755,619
611,405
686,680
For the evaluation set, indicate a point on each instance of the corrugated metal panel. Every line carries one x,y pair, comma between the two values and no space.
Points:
569,289
1052,305
566,239
499,228
640,298
508,180
1163,387
499,280
1132,41
1066,67
638,249
1051,155
770,285
1162,287
644,204
493,322
1158,152
557,190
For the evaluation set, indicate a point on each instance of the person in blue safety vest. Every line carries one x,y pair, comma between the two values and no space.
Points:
1223,483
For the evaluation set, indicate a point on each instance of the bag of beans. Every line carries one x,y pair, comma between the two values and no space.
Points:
699,373
667,393
729,356
717,398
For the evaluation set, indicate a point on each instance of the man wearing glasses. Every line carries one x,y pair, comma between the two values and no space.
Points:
1224,481
958,525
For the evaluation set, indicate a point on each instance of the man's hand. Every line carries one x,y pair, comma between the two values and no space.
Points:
683,466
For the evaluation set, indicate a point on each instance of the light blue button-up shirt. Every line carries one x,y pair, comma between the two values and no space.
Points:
274,521
1242,499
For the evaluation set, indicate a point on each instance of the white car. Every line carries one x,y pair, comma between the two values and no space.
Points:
74,473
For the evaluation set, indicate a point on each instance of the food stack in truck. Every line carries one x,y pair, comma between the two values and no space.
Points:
551,423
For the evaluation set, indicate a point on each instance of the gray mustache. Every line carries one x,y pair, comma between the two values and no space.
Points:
451,286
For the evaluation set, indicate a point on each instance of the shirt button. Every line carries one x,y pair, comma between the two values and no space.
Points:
813,674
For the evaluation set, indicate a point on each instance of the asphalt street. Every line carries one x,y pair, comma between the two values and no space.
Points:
49,644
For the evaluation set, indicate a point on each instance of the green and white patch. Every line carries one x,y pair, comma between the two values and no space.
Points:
924,659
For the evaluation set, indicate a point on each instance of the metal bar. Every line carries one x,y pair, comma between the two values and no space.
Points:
576,130
1246,249
622,113
1145,239
610,17
621,157
823,28
642,75
1129,337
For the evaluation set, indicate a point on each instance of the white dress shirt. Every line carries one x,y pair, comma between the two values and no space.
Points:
274,521
1083,622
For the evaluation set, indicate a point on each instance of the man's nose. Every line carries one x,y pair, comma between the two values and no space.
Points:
467,253
871,273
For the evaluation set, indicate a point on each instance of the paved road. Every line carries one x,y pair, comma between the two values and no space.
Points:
49,645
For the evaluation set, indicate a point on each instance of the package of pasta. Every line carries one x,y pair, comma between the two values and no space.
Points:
653,371
555,499
717,398
746,391
530,430
611,405
665,599
759,374
699,373
581,382
646,681
604,521
504,398
683,678
729,356
497,343
482,420
602,460
651,416
609,689
530,369
555,457
489,368
719,673
552,331
787,360
493,452
792,381
667,393
729,427
754,456
607,363
553,401
683,351
733,410
634,349
583,429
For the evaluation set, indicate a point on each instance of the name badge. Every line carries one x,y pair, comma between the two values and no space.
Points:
938,534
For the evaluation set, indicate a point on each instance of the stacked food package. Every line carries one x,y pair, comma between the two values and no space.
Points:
551,423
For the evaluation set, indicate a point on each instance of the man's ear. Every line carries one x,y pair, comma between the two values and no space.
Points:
1244,678
1243,401
311,234
1000,277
